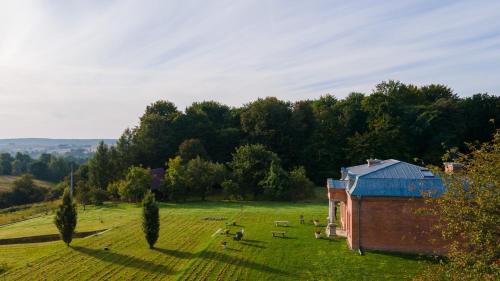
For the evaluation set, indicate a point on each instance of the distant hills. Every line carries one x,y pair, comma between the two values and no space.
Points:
78,148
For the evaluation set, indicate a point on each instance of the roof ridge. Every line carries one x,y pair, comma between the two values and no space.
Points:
381,168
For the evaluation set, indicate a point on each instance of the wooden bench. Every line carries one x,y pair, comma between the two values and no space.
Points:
278,223
278,233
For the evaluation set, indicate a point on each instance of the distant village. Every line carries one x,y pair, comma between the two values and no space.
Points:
70,148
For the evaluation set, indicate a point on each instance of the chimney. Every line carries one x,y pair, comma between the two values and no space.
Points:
343,172
452,167
372,162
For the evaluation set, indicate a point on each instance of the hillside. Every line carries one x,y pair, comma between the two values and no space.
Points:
6,183
189,247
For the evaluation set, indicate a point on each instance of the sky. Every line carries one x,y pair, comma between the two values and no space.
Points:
88,69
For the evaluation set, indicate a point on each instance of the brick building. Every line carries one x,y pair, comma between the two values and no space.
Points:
379,204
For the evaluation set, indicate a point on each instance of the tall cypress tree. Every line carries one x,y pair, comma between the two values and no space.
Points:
150,219
65,219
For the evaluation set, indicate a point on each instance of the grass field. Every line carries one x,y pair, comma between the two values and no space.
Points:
188,249
6,183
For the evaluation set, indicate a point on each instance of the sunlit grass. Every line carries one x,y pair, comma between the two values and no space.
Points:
189,250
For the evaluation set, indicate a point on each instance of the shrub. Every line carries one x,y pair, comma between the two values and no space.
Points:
301,187
275,184
114,190
231,190
56,192
175,185
98,196
150,219
136,183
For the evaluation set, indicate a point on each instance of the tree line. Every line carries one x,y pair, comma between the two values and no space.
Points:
310,138
47,167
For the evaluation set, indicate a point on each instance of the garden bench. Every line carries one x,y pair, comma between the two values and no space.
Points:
278,223
278,233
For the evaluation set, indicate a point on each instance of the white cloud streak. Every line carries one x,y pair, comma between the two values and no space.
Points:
88,68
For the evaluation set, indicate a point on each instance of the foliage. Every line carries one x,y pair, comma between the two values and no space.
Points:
250,165
82,193
114,190
150,219
301,187
267,121
231,190
98,196
469,213
47,167
135,185
100,167
56,192
192,148
397,120
202,175
175,186
6,164
65,219
275,184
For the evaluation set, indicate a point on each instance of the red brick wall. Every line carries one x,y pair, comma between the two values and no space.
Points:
392,224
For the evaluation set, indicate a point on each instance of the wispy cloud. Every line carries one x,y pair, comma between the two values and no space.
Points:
88,68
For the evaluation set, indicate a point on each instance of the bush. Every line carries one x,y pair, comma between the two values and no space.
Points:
275,184
301,187
202,175
135,185
175,186
56,192
114,190
231,190
98,196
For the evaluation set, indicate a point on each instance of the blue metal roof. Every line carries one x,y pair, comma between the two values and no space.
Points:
389,178
397,187
336,184
360,170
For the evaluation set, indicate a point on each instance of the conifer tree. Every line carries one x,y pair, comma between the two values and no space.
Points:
65,219
150,219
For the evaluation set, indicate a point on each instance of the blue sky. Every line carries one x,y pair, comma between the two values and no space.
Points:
87,69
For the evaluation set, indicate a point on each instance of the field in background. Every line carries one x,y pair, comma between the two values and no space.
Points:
188,249
23,212
6,183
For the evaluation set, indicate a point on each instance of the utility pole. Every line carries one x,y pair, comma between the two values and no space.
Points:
71,182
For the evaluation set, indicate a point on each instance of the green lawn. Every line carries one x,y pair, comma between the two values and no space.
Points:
189,250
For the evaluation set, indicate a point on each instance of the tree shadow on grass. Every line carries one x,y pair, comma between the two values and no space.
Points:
175,253
408,256
224,258
286,237
254,241
221,257
123,260
233,249
252,245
